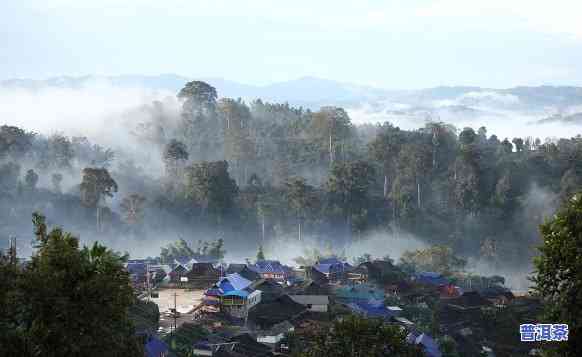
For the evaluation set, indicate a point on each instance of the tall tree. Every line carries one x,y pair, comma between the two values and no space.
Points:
30,180
299,195
74,300
132,207
210,185
97,184
558,275
349,184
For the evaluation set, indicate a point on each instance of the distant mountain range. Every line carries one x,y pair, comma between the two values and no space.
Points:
446,103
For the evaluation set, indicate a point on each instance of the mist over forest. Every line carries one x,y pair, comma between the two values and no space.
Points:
143,162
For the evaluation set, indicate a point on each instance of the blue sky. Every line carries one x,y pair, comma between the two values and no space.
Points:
391,44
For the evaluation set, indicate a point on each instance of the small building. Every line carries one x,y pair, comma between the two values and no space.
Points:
498,295
469,300
244,271
233,295
271,269
331,269
267,314
276,333
270,290
371,309
380,271
202,275
313,303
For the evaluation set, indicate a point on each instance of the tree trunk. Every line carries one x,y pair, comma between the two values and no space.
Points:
299,230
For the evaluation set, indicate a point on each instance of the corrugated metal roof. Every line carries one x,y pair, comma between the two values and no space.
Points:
236,281
310,299
269,266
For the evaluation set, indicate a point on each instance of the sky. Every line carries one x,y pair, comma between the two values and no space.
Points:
389,44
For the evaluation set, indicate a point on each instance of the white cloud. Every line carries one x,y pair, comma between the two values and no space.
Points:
558,16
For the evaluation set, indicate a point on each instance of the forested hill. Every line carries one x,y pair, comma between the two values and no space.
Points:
261,172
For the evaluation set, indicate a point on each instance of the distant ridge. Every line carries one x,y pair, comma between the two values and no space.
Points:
315,92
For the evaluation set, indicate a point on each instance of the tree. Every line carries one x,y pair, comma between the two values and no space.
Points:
132,207
175,250
56,180
175,155
260,254
299,195
217,249
519,144
558,275
73,301
200,127
330,128
438,259
97,184
357,336
210,185
348,185
30,180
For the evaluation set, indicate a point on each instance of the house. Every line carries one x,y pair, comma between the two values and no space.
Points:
202,275
380,271
469,300
311,287
155,347
247,346
428,345
276,333
431,278
449,291
271,269
177,272
244,271
267,314
498,295
233,294
330,269
371,309
313,303
363,292
270,290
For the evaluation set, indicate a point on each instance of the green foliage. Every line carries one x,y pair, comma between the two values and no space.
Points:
175,250
558,274
210,186
183,338
355,336
260,254
96,185
435,259
68,301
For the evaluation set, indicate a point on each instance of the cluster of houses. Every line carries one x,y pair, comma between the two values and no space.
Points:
267,300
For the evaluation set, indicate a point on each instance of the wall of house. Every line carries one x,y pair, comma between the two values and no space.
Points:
317,308
270,339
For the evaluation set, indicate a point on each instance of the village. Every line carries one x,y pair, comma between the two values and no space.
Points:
266,308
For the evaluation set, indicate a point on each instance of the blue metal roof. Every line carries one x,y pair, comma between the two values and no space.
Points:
431,278
269,266
155,347
136,268
428,344
233,282
370,309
